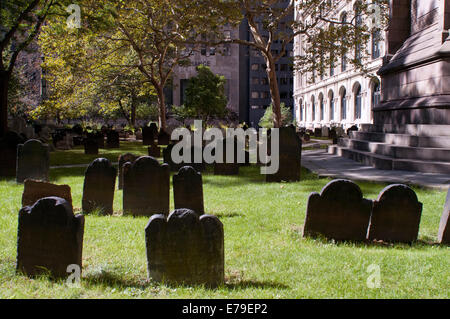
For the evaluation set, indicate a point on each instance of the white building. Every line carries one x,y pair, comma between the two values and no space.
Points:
345,96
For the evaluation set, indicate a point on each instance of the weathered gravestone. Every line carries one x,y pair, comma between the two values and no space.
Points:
99,185
112,139
318,132
185,249
444,227
149,134
325,131
35,190
8,149
163,138
91,145
395,215
128,157
340,212
146,186
188,190
154,150
290,155
228,167
49,238
33,161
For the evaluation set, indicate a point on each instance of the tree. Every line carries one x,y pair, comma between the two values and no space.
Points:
205,95
20,22
267,121
273,21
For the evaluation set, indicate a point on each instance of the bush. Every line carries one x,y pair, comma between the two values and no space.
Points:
268,118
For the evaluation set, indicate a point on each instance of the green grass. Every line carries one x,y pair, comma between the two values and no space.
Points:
265,254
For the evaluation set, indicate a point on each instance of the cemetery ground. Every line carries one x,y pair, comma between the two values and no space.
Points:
265,253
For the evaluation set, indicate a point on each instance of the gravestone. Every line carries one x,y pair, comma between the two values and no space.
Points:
163,138
185,249
444,227
91,145
154,150
325,131
339,212
227,168
33,161
8,149
146,186
99,185
318,132
128,157
49,238
112,139
333,136
149,134
188,190
290,155
100,138
395,215
35,190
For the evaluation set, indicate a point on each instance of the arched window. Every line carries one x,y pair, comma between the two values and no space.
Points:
331,98
358,103
313,107
301,110
344,105
376,94
321,108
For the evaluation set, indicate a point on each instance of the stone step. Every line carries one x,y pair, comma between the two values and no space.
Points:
403,139
396,151
389,163
410,129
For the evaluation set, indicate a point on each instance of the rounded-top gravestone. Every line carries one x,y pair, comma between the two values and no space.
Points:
33,161
188,189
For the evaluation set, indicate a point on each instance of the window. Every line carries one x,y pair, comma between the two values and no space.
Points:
227,50
264,81
313,107
376,50
255,95
255,81
321,109
331,106
344,105
265,95
376,94
358,103
255,67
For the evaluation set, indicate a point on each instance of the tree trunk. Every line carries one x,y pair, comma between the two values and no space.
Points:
162,109
4,84
274,92
133,112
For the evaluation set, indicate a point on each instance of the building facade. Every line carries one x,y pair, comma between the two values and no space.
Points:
344,96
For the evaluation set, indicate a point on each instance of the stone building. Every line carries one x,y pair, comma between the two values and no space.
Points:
344,96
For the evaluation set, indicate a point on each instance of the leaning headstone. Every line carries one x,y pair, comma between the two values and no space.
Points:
339,212
395,215
112,139
33,161
99,185
444,227
128,157
146,185
188,190
149,134
185,249
49,239
91,145
290,155
35,190
8,158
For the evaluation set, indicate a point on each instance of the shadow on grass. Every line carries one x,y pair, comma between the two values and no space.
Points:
244,284
111,279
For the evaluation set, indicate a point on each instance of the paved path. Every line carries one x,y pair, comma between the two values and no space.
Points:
328,165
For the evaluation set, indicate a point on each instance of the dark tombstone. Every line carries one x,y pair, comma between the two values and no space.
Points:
444,227
185,249
154,151
353,128
188,190
35,190
112,139
100,138
318,132
333,135
122,160
33,161
8,149
99,186
228,168
175,167
49,238
91,145
290,155
395,215
149,134
146,186
339,212
306,137
163,138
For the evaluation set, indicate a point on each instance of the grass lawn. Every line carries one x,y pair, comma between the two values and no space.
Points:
265,254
